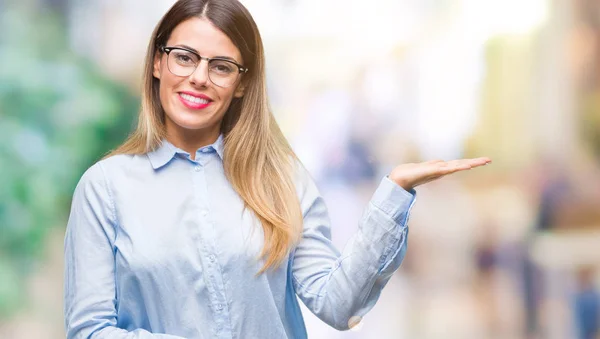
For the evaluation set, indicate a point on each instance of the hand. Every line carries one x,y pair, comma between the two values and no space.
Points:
409,176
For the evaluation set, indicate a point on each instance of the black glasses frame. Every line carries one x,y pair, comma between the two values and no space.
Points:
167,50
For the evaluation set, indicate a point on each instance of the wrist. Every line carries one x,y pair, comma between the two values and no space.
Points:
407,186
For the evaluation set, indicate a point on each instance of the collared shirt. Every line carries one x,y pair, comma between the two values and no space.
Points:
160,246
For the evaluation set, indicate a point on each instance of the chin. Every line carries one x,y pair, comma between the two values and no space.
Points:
193,125
194,122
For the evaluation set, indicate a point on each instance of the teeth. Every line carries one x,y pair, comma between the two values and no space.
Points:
193,99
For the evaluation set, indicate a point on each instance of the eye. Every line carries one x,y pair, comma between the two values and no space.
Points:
184,58
222,67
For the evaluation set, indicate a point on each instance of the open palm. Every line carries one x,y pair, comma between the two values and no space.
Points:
409,176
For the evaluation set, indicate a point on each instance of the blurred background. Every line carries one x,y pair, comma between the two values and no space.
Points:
508,251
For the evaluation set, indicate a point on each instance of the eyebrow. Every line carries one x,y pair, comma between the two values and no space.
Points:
215,57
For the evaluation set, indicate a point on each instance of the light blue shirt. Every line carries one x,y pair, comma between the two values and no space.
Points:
160,246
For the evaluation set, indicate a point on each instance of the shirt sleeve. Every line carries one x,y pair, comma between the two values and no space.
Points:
90,293
342,287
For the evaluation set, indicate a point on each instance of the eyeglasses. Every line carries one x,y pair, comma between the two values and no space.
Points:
183,62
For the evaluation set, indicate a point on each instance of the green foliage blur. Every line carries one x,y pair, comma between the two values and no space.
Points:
58,115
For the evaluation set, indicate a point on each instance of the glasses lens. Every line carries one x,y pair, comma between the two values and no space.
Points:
223,73
182,63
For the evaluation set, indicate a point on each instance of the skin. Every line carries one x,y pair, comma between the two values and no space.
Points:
409,176
187,128
191,129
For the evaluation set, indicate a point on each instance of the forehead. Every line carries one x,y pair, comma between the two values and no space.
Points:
203,36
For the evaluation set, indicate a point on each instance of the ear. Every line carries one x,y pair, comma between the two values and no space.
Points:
239,91
156,68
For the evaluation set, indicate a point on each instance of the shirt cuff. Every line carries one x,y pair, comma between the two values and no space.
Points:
394,200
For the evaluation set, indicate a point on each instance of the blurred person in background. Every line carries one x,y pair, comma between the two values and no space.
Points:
161,239
553,187
587,305
486,257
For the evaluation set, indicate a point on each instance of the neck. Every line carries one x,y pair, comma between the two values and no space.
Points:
192,140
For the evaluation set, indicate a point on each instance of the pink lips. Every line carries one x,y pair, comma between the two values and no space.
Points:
193,104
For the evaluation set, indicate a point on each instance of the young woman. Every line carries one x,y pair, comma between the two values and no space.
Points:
204,224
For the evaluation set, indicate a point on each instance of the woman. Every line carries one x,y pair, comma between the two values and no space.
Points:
203,224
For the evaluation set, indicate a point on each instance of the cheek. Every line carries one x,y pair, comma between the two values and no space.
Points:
166,87
164,96
226,95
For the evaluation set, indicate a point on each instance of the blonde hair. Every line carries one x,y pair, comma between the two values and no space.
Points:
258,161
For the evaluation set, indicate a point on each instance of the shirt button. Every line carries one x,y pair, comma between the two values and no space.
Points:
219,307
212,257
198,168
204,213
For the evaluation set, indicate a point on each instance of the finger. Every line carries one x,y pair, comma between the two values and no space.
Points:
441,172
438,171
435,161
476,162
463,164
479,161
456,164
438,174
439,168
482,160
453,167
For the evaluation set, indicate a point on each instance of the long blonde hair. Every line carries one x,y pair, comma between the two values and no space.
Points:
258,161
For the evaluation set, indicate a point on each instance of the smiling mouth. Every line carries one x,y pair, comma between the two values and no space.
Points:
192,99
193,102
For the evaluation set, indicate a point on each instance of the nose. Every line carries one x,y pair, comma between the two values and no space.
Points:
200,75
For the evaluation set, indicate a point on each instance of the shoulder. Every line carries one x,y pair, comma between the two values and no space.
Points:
120,161
305,184
300,174
103,170
124,165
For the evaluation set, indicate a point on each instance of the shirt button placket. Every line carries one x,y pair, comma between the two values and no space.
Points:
213,270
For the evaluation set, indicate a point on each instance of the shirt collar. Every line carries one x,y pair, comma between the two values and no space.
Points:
166,151
218,146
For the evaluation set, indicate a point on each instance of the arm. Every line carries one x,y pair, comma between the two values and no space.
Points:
90,295
339,286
